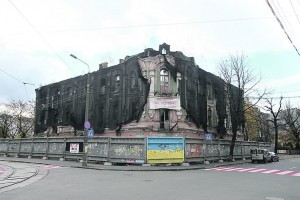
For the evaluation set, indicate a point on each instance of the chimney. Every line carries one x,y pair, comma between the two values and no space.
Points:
103,65
121,61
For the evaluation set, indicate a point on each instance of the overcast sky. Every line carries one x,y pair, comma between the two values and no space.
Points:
37,37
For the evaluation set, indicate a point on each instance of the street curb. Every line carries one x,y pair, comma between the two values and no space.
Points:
124,168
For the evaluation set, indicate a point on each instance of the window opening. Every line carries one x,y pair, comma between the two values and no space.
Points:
209,91
209,117
164,119
164,81
133,81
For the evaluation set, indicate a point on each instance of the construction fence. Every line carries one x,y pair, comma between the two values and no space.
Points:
134,150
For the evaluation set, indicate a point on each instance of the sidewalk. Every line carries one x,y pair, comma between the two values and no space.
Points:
129,167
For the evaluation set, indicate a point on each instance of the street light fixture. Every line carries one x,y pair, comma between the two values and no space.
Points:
86,116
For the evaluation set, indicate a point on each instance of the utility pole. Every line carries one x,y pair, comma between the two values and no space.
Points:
86,115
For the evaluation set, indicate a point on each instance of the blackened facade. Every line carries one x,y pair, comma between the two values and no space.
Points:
151,93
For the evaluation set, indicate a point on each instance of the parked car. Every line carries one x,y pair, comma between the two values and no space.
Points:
260,155
274,157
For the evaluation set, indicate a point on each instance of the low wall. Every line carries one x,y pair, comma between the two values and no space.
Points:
135,150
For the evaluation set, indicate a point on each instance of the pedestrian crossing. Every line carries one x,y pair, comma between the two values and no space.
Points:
51,166
256,170
2,170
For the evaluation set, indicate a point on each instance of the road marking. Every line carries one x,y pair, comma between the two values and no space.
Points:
232,169
293,167
285,172
258,170
247,169
271,171
219,168
298,174
255,170
51,166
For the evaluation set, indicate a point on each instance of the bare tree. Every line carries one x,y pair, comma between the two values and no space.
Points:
240,83
292,120
6,122
257,126
17,119
270,107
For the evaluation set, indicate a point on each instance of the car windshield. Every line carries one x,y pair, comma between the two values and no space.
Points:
261,151
253,151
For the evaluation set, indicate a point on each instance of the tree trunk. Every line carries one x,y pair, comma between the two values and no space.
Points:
276,136
232,145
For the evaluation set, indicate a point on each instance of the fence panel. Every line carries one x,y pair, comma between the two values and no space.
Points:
39,147
194,151
237,153
74,148
25,147
224,149
56,148
127,150
98,149
13,149
211,150
3,146
165,150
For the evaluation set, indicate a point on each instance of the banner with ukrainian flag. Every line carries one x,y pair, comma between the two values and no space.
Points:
165,150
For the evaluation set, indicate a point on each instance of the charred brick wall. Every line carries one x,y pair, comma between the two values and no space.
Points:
118,95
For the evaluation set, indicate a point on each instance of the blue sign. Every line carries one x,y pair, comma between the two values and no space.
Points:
90,133
87,125
208,136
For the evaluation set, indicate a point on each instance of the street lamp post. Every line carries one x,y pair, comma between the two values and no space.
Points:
86,115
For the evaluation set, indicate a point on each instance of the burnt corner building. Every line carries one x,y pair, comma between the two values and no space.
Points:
153,93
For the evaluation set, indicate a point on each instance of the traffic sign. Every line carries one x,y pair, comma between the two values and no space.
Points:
90,133
87,125
208,136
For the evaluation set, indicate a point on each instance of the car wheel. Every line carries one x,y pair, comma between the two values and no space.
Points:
252,161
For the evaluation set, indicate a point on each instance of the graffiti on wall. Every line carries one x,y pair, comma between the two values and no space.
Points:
193,150
40,147
26,147
212,150
224,150
56,147
99,149
127,150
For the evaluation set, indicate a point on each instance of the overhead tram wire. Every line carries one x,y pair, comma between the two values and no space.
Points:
295,10
283,16
40,35
165,24
283,97
282,27
24,83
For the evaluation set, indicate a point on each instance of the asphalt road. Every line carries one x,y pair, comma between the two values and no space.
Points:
273,181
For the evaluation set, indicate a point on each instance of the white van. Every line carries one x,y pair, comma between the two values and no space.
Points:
260,155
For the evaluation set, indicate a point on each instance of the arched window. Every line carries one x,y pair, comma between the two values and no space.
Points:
164,81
